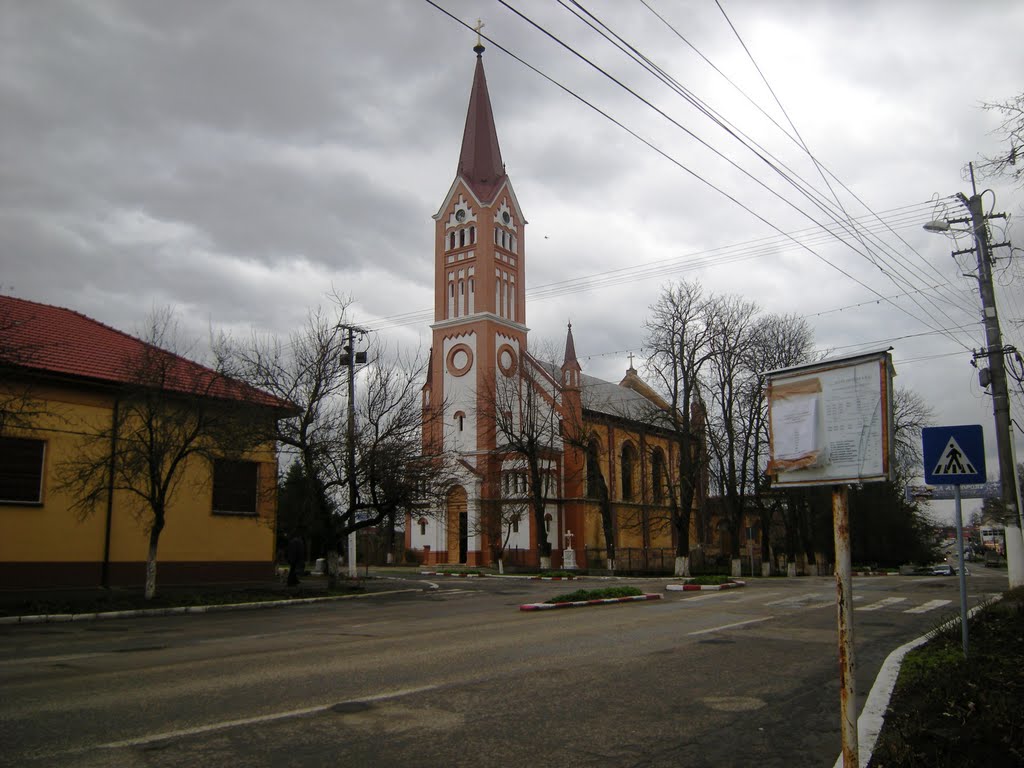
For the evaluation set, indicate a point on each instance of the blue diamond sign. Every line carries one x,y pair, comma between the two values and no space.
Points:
953,455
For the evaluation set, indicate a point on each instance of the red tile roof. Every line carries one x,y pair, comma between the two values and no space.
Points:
57,341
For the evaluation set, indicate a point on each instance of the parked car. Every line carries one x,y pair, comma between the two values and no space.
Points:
943,570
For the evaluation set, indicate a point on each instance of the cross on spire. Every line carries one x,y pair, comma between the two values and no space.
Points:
630,361
479,25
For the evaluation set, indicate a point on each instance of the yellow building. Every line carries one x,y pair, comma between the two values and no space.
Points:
66,380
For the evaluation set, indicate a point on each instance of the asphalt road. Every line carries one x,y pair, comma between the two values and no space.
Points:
457,676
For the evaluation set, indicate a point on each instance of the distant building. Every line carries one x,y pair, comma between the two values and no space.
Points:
605,431
63,376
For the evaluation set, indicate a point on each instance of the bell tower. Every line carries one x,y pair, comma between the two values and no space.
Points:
479,330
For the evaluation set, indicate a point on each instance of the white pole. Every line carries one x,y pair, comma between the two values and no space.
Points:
963,567
353,568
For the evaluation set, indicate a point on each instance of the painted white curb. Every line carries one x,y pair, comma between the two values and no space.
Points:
704,587
869,724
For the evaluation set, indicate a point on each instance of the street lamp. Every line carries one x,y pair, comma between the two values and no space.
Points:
977,222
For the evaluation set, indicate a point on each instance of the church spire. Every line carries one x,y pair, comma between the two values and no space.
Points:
480,160
570,365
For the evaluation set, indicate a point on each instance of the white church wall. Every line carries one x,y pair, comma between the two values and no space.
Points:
460,396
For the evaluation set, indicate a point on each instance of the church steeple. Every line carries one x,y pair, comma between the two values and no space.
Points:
480,160
570,365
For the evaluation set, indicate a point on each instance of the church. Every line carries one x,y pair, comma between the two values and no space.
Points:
550,465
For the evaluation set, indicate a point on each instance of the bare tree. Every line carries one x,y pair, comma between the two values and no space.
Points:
500,518
910,415
306,370
731,428
1010,162
388,473
527,430
173,413
680,333
779,341
392,475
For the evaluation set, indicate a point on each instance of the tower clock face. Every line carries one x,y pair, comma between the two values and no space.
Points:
460,215
505,217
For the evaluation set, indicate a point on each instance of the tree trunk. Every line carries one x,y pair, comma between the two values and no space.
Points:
610,562
501,566
545,562
333,567
682,566
737,567
154,539
151,570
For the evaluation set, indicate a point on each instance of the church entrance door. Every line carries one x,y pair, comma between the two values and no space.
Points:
458,525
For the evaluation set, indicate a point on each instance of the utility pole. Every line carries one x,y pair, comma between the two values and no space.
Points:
995,353
351,357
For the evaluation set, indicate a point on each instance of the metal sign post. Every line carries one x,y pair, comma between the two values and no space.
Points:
831,424
955,456
844,608
963,568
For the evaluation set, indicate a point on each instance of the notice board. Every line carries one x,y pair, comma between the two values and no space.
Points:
831,422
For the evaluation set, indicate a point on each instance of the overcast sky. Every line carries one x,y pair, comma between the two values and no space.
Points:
239,160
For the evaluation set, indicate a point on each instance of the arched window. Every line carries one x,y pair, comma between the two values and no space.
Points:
594,480
628,470
423,526
460,420
462,237
472,235
658,475
451,241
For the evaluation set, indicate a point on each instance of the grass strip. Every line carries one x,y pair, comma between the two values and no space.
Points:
950,711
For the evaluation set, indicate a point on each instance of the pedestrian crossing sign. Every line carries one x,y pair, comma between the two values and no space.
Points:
953,455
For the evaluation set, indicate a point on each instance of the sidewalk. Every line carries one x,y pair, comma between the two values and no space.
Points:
79,604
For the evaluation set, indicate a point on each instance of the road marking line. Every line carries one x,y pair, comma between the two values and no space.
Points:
52,659
707,596
802,599
142,740
881,604
729,626
931,605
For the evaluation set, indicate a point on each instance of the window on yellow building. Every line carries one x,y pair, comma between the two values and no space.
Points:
628,468
21,470
235,487
594,480
658,475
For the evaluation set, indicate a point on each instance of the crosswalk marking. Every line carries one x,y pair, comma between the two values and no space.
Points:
931,605
810,599
881,604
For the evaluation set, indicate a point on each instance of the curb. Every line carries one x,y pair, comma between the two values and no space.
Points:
876,573
872,716
554,578
457,575
584,603
55,618
704,587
